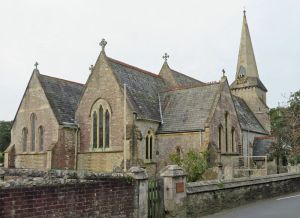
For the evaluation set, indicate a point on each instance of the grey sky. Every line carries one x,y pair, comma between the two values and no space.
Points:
201,37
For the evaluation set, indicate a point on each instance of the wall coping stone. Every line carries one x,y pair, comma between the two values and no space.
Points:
213,185
32,177
172,171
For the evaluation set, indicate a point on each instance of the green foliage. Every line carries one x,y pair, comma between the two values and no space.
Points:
194,163
1,157
294,159
5,127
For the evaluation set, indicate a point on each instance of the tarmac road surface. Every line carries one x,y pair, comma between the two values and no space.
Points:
286,206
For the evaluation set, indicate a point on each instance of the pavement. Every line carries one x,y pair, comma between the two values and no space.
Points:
285,206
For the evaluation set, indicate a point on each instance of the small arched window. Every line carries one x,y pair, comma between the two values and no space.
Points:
32,121
149,145
24,139
232,140
220,137
226,131
94,129
107,125
41,138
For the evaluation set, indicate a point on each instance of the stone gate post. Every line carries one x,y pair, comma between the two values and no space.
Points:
174,187
141,191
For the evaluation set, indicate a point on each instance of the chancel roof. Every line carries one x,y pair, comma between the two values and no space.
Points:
187,109
63,97
246,117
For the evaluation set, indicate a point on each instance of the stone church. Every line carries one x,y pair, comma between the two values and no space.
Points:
125,116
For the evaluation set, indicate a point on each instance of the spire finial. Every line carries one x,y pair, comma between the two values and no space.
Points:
36,65
244,11
103,43
91,68
165,57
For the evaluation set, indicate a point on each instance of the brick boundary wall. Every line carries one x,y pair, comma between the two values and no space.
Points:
57,193
213,196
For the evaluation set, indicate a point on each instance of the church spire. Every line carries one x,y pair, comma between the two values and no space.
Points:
246,66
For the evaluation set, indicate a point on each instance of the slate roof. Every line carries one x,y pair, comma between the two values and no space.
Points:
251,82
187,109
262,145
246,117
63,97
184,80
143,88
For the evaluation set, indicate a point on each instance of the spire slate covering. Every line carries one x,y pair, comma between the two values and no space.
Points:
246,61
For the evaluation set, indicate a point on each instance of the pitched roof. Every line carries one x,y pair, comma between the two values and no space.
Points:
262,145
184,80
143,88
63,97
246,117
187,109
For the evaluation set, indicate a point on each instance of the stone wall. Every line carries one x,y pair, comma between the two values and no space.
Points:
213,196
57,193
100,161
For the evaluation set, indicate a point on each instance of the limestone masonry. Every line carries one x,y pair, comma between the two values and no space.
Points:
124,116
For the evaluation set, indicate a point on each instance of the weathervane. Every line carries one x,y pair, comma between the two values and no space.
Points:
165,57
103,43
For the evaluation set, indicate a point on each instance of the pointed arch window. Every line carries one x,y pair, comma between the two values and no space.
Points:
24,139
149,145
100,135
101,130
41,138
226,131
107,125
33,121
94,129
233,140
220,136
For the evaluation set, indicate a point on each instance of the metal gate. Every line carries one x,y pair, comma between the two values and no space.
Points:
155,206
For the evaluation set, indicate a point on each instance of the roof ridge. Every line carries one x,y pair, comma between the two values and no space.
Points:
134,67
65,80
189,87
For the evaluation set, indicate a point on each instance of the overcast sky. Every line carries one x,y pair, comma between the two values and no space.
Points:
201,37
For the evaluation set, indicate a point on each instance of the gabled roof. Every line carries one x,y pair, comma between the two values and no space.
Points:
184,80
143,88
246,117
63,97
262,145
187,109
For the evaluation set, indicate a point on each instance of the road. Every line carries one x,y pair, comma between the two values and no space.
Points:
286,206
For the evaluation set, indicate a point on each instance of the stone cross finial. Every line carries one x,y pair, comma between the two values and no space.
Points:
103,43
91,67
223,71
165,57
36,65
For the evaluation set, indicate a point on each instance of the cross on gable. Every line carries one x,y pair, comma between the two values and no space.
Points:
103,43
91,68
36,65
165,57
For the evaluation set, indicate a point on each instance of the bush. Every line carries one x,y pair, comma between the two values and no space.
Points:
1,157
294,160
194,163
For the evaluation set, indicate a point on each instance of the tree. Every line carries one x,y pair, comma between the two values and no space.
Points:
5,127
193,162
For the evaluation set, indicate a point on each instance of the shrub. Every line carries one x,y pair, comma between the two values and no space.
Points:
294,159
194,163
1,157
